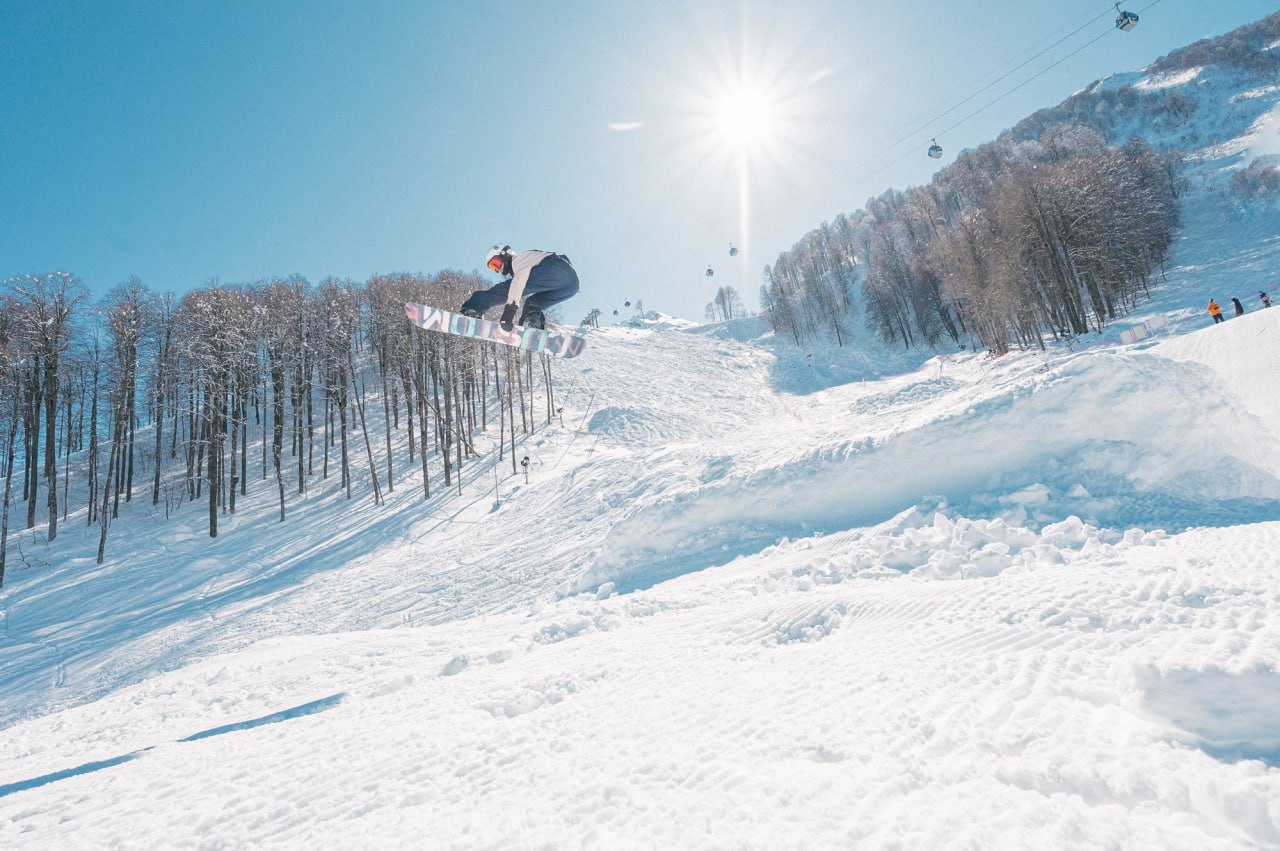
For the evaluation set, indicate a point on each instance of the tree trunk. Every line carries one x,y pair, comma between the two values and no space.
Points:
8,492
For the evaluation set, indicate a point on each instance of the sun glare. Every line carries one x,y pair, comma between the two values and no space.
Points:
746,117
747,111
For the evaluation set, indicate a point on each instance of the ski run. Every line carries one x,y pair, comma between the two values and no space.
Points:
746,596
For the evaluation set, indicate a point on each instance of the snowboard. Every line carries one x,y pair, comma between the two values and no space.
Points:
562,344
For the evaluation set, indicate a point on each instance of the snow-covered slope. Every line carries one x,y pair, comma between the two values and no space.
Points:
748,596
1028,601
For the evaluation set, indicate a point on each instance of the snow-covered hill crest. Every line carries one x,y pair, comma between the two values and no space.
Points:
1195,98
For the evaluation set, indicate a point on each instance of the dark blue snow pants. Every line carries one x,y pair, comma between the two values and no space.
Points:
550,282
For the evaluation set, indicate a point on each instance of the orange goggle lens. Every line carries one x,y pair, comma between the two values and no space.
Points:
495,263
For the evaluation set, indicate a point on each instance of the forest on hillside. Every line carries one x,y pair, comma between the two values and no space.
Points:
1012,244
1054,229
183,400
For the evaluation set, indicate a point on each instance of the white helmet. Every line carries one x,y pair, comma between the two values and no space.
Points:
498,251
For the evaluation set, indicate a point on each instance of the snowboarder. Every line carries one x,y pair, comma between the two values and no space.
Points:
1264,298
541,278
1215,311
1239,306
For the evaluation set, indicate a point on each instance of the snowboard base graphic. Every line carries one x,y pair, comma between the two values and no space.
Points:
561,344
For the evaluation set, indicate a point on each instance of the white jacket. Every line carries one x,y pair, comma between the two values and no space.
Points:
522,263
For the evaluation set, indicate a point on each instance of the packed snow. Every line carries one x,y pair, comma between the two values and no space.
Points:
1025,601
748,595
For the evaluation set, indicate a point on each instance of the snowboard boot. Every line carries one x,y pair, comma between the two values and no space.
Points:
533,317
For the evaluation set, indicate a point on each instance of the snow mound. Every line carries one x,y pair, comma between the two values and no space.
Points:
656,321
628,425
1118,453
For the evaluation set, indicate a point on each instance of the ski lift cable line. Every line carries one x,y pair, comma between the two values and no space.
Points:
1002,77
1039,73
1035,50
1001,97
888,148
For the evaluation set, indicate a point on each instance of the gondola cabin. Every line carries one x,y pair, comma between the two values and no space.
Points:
935,150
710,272
733,252
1125,20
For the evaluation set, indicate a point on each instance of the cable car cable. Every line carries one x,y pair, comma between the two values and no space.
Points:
1004,76
1001,97
1039,73
1036,52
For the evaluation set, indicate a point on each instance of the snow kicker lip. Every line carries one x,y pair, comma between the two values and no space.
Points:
1139,466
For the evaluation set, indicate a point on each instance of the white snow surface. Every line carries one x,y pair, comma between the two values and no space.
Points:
1265,142
1166,81
749,596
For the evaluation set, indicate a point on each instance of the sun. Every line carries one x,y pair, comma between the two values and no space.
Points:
748,123
746,116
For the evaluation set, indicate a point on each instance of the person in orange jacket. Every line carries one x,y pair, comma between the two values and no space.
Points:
1215,311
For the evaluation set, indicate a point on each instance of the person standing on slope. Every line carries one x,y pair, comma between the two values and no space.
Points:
541,278
1239,306
1264,298
1215,311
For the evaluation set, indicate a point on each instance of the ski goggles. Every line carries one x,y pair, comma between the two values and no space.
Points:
495,263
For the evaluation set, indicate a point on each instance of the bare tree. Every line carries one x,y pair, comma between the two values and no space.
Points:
47,304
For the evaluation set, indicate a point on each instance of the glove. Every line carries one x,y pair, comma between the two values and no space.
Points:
508,320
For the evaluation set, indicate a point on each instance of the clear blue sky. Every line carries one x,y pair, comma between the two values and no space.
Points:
185,141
